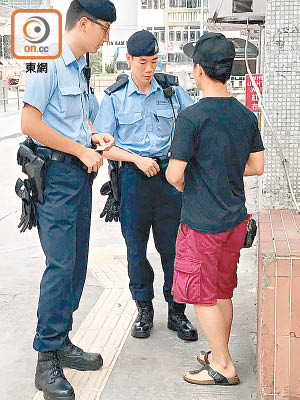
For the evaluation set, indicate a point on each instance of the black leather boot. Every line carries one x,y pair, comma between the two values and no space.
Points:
73,357
49,378
177,321
144,321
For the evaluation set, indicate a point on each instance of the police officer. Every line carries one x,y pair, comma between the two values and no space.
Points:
55,115
141,119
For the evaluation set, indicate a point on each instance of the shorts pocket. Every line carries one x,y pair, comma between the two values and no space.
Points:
186,283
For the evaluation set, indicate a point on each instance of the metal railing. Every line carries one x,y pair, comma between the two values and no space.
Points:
4,99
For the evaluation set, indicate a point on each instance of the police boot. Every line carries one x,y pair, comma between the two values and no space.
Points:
73,357
177,321
49,378
144,321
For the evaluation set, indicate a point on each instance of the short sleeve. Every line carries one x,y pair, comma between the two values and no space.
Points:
257,143
39,87
93,106
183,146
184,98
105,121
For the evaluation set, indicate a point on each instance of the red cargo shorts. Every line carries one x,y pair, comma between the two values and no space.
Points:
206,264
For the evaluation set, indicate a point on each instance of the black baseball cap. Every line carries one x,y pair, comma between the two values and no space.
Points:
142,43
212,50
102,9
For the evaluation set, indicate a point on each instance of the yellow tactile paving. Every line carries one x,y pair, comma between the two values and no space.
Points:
106,327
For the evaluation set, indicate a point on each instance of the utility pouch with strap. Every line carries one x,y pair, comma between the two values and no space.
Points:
111,210
30,190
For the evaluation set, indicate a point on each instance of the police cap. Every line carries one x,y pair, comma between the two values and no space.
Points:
102,9
212,50
142,43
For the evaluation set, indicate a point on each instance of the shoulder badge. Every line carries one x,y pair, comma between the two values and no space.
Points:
122,80
166,80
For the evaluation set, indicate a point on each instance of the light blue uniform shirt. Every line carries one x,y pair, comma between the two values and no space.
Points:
141,123
61,96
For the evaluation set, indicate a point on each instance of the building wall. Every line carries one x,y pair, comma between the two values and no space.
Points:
22,3
282,100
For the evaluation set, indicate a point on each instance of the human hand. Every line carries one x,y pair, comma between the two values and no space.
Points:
147,165
104,140
91,158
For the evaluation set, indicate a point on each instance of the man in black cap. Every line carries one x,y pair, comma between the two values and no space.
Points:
216,143
55,114
141,118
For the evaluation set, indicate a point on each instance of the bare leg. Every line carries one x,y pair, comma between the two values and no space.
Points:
215,328
226,309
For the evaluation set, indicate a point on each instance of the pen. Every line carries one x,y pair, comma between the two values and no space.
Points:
156,117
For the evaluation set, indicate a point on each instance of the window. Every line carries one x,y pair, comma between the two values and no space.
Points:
198,35
155,4
185,36
162,36
242,6
144,3
192,36
178,36
162,3
171,36
149,3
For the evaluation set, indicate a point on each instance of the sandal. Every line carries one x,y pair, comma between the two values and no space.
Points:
217,378
205,361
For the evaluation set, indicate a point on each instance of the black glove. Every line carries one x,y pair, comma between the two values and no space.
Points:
112,207
28,218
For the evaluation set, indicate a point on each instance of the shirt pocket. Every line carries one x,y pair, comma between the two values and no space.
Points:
131,129
71,102
165,121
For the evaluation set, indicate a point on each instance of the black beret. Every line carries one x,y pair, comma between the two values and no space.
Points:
211,50
142,43
102,9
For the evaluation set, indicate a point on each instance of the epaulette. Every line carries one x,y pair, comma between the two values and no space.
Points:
166,80
122,80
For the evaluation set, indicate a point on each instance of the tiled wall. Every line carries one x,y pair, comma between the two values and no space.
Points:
278,348
282,100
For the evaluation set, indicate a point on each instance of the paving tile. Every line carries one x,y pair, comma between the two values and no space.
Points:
296,267
295,320
268,311
283,314
284,267
267,367
282,375
294,368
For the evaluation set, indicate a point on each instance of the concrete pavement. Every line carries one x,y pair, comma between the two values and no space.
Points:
133,368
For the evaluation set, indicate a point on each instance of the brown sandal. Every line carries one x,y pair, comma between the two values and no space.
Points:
217,378
205,361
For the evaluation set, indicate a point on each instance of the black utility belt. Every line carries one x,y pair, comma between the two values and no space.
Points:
161,161
59,156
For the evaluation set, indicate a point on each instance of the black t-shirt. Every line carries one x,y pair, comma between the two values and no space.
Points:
215,136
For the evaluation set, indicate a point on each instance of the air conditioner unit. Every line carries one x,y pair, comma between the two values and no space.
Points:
237,10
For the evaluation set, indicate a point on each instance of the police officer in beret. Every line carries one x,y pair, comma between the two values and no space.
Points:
56,115
141,119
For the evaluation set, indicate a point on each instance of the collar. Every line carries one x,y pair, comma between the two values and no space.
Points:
132,88
68,56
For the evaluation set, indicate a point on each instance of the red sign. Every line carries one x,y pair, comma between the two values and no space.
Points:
251,95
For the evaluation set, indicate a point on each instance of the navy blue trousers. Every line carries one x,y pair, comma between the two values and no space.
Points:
145,203
64,230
